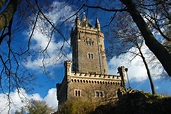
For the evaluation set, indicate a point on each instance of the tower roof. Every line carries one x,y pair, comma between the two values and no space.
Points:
97,25
85,22
97,22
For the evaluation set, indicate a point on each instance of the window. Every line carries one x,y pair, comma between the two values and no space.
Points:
77,92
99,94
90,56
87,42
90,43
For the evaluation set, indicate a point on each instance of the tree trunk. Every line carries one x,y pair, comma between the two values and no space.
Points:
148,70
158,49
8,13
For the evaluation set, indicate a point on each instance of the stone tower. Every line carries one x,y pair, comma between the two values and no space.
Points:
88,49
86,76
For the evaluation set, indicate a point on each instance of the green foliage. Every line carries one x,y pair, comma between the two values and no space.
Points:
36,107
17,112
39,107
76,107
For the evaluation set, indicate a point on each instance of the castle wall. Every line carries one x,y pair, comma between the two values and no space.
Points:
90,85
86,86
88,91
62,91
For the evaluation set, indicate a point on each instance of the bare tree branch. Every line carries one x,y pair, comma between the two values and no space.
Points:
105,9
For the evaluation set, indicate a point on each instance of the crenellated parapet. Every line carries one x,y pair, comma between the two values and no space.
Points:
95,76
92,81
84,26
89,30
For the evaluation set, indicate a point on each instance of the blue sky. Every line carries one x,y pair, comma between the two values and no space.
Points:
44,88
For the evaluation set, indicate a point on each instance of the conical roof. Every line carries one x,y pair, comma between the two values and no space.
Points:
85,22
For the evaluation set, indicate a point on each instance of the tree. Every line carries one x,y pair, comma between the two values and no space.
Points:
158,49
18,17
17,112
37,107
77,107
129,35
23,111
133,7
8,12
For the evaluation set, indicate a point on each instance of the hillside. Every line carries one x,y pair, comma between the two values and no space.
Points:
137,103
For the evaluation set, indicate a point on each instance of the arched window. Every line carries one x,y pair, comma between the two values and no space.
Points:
89,42
99,93
90,56
77,92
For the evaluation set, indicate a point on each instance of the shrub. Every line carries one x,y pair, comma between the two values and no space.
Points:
76,107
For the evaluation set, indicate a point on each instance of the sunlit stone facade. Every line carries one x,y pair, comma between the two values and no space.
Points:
86,76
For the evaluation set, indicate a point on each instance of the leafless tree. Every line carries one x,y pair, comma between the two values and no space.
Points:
148,16
129,36
15,17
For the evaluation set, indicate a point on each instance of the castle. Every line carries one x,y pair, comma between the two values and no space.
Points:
86,76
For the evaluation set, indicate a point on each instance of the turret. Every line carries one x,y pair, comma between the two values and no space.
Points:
122,71
84,18
68,66
85,22
97,25
77,20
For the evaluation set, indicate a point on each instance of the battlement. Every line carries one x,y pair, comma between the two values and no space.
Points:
90,30
95,76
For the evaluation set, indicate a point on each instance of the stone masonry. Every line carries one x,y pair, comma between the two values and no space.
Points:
86,76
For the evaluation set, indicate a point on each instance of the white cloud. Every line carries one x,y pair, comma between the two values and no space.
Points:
51,58
136,68
43,39
22,99
138,78
61,11
51,98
